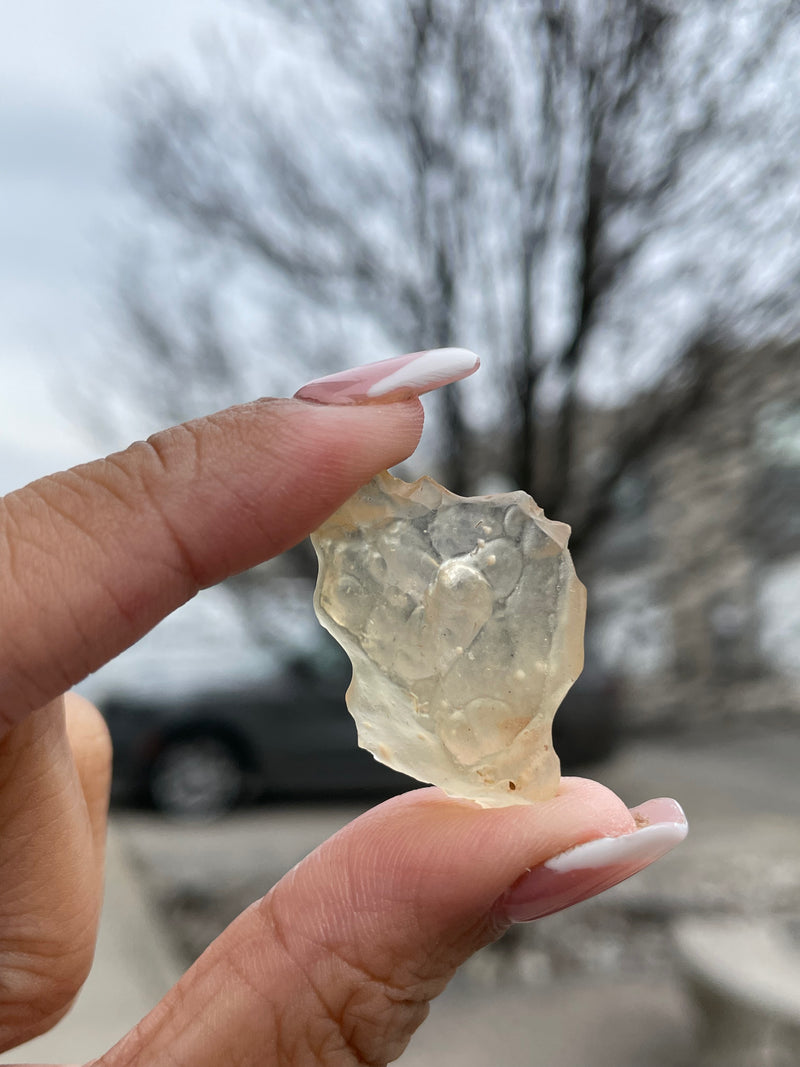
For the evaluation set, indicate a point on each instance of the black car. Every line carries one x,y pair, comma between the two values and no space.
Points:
289,736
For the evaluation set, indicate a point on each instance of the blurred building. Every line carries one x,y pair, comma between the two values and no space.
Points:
694,580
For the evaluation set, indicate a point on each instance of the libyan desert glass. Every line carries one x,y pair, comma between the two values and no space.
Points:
463,619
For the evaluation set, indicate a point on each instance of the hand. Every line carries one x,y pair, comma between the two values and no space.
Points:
337,964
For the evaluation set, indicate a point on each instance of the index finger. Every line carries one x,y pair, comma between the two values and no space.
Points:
91,559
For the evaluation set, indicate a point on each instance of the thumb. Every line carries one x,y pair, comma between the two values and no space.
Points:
337,964
91,559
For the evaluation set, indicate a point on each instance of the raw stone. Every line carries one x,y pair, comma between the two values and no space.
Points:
463,619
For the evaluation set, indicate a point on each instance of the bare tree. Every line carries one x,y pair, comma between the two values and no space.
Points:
495,173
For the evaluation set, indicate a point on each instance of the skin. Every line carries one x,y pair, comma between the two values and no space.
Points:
337,964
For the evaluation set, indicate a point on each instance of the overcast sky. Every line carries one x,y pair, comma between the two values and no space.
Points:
63,64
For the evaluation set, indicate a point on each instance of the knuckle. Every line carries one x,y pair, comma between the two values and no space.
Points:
359,1011
27,567
61,539
177,451
39,991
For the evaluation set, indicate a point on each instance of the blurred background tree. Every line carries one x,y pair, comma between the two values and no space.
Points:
535,180
597,197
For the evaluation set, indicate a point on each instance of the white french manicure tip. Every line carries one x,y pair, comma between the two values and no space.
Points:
644,845
592,867
399,378
423,371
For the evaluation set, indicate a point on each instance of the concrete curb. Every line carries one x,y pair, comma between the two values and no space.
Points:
744,976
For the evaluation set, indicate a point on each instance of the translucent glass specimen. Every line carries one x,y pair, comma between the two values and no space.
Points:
463,619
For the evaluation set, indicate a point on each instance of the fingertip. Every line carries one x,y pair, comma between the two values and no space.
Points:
596,804
458,855
396,425
328,451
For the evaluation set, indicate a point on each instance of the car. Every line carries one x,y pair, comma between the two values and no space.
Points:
286,735
289,735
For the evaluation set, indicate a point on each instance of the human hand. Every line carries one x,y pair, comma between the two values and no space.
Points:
337,964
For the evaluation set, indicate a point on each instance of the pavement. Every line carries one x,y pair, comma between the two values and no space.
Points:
594,985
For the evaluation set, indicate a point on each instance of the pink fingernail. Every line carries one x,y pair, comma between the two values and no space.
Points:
590,868
399,378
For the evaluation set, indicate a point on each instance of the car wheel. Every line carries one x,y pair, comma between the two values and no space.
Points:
196,777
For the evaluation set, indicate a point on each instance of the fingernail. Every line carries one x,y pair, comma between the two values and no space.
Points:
399,378
590,868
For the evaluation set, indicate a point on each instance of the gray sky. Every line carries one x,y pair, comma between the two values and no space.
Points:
62,65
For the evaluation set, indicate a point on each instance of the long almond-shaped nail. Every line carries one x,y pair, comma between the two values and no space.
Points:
591,868
399,378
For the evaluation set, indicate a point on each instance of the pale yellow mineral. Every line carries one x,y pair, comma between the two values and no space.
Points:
463,619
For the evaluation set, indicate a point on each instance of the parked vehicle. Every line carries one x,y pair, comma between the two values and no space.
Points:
290,736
